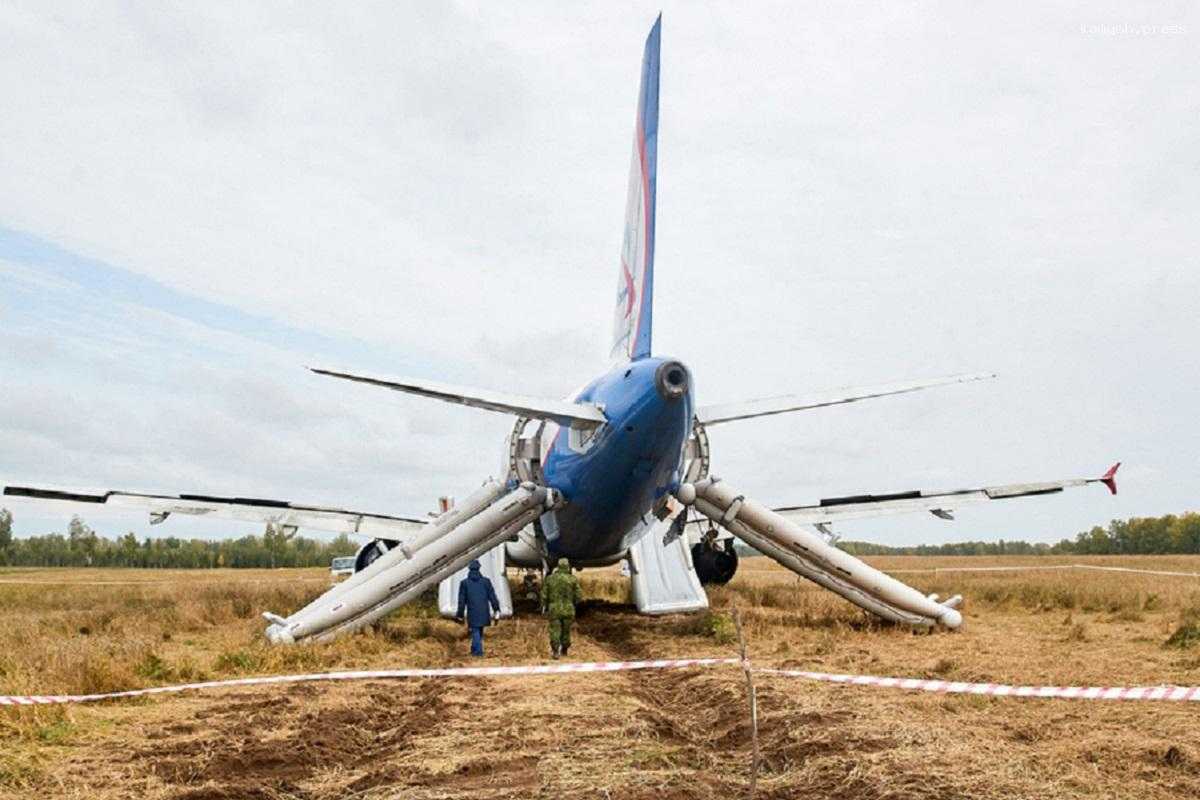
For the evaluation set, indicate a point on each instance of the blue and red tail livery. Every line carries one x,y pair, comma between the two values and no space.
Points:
633,313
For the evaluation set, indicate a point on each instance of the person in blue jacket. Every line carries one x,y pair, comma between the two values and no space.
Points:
477,598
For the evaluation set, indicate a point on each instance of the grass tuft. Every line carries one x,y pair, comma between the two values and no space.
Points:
154,668
238,662
1187,633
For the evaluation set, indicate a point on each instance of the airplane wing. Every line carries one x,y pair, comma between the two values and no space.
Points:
776,534
747,409
939,503
563,412
243,509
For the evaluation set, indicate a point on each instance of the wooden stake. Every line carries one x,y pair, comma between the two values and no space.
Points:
753,698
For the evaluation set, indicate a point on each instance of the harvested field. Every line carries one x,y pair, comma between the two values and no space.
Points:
625,735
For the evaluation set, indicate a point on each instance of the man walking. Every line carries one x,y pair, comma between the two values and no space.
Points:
560,593
477,597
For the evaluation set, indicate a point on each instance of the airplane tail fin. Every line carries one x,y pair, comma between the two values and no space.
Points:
633,314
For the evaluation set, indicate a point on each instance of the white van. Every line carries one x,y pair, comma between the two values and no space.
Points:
341,567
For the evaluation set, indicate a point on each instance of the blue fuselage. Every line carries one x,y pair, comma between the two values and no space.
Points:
611,477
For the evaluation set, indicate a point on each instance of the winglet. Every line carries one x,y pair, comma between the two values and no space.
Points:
1109,478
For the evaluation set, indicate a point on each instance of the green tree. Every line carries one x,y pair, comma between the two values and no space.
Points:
129,551
1184,533
82,541
276,538
5,534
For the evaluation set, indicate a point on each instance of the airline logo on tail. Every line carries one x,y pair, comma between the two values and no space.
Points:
633,256
635,288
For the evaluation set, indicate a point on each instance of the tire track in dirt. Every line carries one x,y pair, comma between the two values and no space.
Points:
702,719
697,719
256,745
688,734
458,752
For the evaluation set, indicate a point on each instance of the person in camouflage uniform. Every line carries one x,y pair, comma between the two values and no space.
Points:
560,593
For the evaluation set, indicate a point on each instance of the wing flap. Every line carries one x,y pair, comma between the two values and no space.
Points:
835,509
242,509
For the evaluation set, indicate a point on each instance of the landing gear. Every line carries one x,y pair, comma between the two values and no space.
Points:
715,562
530,590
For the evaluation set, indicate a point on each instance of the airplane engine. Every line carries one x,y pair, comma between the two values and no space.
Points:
715,562
371,551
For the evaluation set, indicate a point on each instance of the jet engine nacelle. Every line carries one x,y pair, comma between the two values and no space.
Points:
371,551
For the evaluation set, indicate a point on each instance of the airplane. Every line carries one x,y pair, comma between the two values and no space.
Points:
614,472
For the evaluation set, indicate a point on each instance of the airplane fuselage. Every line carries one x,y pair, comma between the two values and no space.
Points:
612,476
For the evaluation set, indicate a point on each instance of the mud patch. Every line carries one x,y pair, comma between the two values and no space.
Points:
612,626
271,745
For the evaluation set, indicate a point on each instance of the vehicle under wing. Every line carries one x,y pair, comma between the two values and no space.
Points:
242,509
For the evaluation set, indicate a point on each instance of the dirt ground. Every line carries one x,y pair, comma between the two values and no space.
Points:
661,735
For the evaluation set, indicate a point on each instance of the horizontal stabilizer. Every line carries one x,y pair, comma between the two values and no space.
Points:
728,412
939,503
243,509
563,412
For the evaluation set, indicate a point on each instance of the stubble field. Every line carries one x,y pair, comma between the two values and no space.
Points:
670,734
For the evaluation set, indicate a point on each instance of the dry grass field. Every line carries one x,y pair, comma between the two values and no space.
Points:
655,735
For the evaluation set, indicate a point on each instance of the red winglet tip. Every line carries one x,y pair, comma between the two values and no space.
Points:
1109,478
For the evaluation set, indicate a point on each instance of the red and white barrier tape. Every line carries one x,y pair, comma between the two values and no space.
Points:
1000,690
444,672
1169,693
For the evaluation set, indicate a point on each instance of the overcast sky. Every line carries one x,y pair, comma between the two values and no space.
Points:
195,203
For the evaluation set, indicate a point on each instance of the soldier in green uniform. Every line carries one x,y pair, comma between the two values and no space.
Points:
560,593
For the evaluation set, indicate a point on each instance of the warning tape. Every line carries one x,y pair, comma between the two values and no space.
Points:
1169,693
1000,690
1140,571
1014,568
444,672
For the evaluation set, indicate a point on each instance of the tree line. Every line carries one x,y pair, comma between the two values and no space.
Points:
81,546
1168,535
